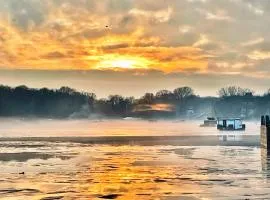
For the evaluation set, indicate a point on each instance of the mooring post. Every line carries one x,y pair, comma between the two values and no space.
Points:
265,142
265,132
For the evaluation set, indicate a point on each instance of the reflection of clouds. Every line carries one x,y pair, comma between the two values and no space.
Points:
230,137
265,159
162,172
265,162
111,172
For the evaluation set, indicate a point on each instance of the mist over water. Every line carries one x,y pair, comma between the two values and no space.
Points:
162,160
14,127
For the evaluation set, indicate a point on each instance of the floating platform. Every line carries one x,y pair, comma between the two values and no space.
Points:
230,124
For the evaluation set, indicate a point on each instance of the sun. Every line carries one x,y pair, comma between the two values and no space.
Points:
123,63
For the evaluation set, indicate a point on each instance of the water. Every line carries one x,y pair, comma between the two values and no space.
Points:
92,128
65,167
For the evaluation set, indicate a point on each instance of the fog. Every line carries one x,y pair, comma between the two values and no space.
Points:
23,127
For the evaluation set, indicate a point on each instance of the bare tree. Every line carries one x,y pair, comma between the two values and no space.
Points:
234,91
164,95
183,92
67,90
148,98
91,98
130,100
115,99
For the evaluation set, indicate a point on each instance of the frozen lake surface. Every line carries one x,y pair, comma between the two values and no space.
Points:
45,160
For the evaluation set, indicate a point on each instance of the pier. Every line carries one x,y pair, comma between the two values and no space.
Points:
265,132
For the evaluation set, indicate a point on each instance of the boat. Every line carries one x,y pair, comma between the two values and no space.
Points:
209,122
230,124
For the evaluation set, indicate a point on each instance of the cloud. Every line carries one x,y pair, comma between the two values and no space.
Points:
259,55
256,10
191,36
160,16
54,55
263,46
219,15
253,42
115,46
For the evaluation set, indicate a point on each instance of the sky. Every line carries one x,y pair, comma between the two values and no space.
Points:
130,47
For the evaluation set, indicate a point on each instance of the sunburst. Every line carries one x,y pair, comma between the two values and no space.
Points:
124,63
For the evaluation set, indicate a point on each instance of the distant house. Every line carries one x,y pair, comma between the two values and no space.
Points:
249,94
154,110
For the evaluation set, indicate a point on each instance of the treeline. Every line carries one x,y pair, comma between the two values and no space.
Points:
182,102
23,101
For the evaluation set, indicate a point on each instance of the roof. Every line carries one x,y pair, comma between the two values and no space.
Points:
220,119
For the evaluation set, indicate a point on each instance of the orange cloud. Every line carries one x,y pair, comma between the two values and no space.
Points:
72,37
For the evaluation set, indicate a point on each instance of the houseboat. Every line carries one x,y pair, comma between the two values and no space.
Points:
209,122
230,124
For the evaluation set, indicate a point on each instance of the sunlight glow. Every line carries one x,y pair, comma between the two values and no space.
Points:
122,63
128,64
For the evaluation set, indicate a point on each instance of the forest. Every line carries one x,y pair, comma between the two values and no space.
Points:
181,103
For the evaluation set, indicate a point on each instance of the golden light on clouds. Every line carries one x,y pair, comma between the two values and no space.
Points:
193,41
122,63
126,35
72,37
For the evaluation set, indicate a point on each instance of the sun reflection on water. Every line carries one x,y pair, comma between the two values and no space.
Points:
79,171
